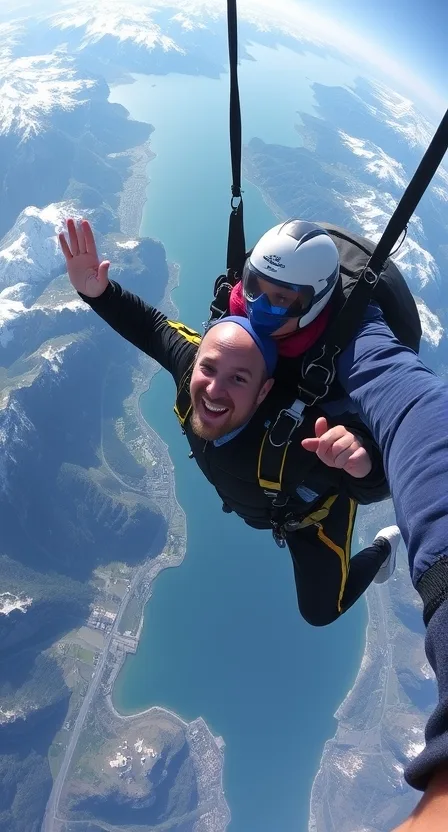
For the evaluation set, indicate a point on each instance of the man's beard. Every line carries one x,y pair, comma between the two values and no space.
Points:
208,432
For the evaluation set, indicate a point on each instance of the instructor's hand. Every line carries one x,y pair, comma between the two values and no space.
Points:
338,448
85,271
432,812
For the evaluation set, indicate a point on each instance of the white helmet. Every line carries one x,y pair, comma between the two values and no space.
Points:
301,262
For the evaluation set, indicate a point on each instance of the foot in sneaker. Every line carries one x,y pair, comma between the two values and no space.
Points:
393,537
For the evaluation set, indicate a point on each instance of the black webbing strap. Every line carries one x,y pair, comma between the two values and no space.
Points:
272,456
219,306
411,197
319,371
271,463
236,243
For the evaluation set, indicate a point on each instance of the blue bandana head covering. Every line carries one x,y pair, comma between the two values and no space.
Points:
265,344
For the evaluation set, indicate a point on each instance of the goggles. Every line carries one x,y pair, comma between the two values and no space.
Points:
274,297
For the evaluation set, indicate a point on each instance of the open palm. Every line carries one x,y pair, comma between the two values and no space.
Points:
86,273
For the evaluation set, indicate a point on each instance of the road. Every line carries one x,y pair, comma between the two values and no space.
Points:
53,801
142,573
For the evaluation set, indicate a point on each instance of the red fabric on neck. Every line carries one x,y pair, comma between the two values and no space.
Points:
291,345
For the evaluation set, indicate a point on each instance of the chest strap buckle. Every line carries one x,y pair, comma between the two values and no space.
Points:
288,419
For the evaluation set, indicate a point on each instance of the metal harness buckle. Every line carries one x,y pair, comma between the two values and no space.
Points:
277,534
295,413
326,374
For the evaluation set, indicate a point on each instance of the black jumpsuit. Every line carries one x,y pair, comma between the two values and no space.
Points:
325,499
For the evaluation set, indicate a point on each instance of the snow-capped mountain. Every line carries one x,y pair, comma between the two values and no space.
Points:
167,25
440,186
401,114
29,258
121,21
32,88
378,162
432,329
63,146
11,34
11,309
15,428
30,252
372,207
10,602
371,210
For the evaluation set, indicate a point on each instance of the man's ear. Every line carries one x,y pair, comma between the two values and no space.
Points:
267,386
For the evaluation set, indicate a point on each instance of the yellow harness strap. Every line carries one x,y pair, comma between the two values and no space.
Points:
182,405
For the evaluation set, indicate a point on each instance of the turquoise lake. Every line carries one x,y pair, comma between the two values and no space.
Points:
222,635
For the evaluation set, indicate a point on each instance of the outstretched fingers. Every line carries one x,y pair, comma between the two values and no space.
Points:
89,238
73,237
65,247
81,239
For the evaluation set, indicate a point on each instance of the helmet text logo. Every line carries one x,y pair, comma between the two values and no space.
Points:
274,260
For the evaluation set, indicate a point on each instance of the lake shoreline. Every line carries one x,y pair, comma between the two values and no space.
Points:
130,213
191,610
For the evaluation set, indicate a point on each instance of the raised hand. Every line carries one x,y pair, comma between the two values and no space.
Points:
86,273
339,448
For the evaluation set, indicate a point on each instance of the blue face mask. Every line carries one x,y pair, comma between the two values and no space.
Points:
265,319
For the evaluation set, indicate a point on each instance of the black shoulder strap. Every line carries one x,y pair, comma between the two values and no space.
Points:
319,365
236,246
411,197
219,306
318,370
275,445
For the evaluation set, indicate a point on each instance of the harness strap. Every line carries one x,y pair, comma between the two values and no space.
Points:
182,407
292,524
274,448
236,243
219,306
318,372
318,369
411,197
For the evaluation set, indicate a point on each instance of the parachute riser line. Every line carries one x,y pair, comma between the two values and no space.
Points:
411,197
344,326
338,335
236,245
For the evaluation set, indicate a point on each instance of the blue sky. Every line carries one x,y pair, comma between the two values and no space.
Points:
415,30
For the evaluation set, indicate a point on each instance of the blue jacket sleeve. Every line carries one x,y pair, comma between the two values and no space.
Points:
405,406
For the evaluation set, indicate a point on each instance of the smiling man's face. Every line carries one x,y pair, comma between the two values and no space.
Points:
228,381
